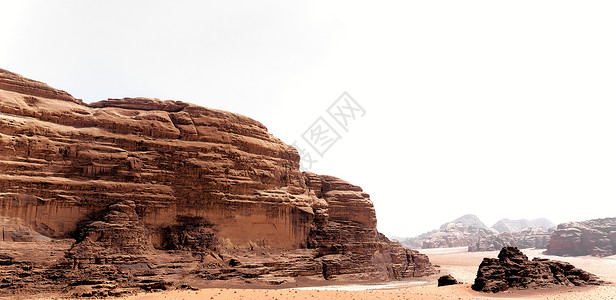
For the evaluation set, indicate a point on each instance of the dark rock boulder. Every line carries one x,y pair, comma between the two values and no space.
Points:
447,280
513,270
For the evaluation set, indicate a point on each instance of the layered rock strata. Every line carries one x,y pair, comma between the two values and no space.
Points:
593,237
139,183
513,270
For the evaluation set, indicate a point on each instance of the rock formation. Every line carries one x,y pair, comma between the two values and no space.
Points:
507,225
525,238
593,237
513,270
447,280
463,231
468,220
457,235
153,191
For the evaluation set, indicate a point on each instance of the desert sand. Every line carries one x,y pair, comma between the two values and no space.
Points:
455,261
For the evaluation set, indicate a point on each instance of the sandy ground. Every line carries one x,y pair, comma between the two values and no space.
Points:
455,261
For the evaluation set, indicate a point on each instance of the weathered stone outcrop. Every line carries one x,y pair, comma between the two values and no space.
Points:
525,238
347,233
116,239
513,270
133,180
447,280
593,237
16,83
63,161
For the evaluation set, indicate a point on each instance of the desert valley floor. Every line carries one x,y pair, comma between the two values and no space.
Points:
455,261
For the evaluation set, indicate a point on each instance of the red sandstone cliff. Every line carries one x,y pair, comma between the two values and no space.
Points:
133,180
593,237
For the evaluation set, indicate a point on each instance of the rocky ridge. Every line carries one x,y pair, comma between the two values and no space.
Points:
533,237
457,235
155,193
469,231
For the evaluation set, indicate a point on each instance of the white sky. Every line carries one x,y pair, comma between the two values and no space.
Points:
497,108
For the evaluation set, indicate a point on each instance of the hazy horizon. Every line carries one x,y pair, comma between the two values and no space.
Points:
502,110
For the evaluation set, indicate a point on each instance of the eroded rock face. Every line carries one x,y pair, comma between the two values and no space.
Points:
513,270
593,237
345,233
63,161
118,238
135,178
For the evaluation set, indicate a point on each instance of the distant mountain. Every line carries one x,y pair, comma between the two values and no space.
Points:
530,237
507,225
469,230
468,221
463,231
457,235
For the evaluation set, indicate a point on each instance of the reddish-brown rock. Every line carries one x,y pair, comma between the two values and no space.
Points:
142,182
447,280
513,270
593,237
347,240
